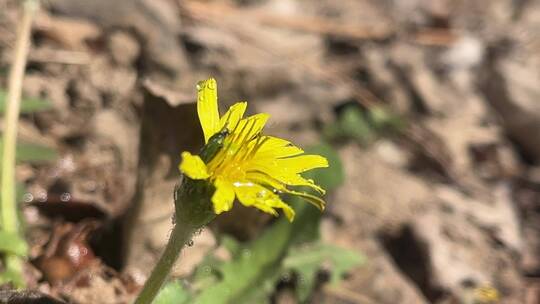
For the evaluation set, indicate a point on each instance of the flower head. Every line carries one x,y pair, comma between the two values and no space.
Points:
241,162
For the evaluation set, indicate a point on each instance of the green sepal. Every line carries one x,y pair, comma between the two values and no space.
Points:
192,200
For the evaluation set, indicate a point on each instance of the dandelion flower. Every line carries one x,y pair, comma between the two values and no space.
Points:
242,163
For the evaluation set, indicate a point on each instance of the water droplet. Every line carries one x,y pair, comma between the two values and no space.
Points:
28,197
199,86
65,197
190,243
211,85
246,253
42,197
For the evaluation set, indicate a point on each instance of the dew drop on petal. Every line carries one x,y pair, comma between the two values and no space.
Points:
212,85
190,243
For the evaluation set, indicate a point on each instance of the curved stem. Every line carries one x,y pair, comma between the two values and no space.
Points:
180,236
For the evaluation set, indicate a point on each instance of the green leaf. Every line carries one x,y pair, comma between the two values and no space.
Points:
262,292
383,119
20,190
331,177
28,105
342,260
305,261
230,244
302,258
205,274
364,126
27,152
255,263
13,243
353,124
13,277
35,153
307,278
173,293
307,222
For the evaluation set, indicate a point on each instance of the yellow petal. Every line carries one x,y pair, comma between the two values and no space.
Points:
314,200
250,194
280,173
265,180
233,115
302,163
298,180
274,147
249,127
193,166
289,212
223,197
207,107
278,203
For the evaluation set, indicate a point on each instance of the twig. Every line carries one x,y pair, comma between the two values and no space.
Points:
315,25
230,18
60,57
435,37
8,209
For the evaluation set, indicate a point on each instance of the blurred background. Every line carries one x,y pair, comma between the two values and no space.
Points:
428,109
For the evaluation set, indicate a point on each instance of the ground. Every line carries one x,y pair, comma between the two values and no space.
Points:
444,205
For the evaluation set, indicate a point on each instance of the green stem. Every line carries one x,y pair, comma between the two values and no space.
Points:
193,210
9,217
180,236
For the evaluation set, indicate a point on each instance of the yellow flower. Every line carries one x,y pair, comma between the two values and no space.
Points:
242,163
